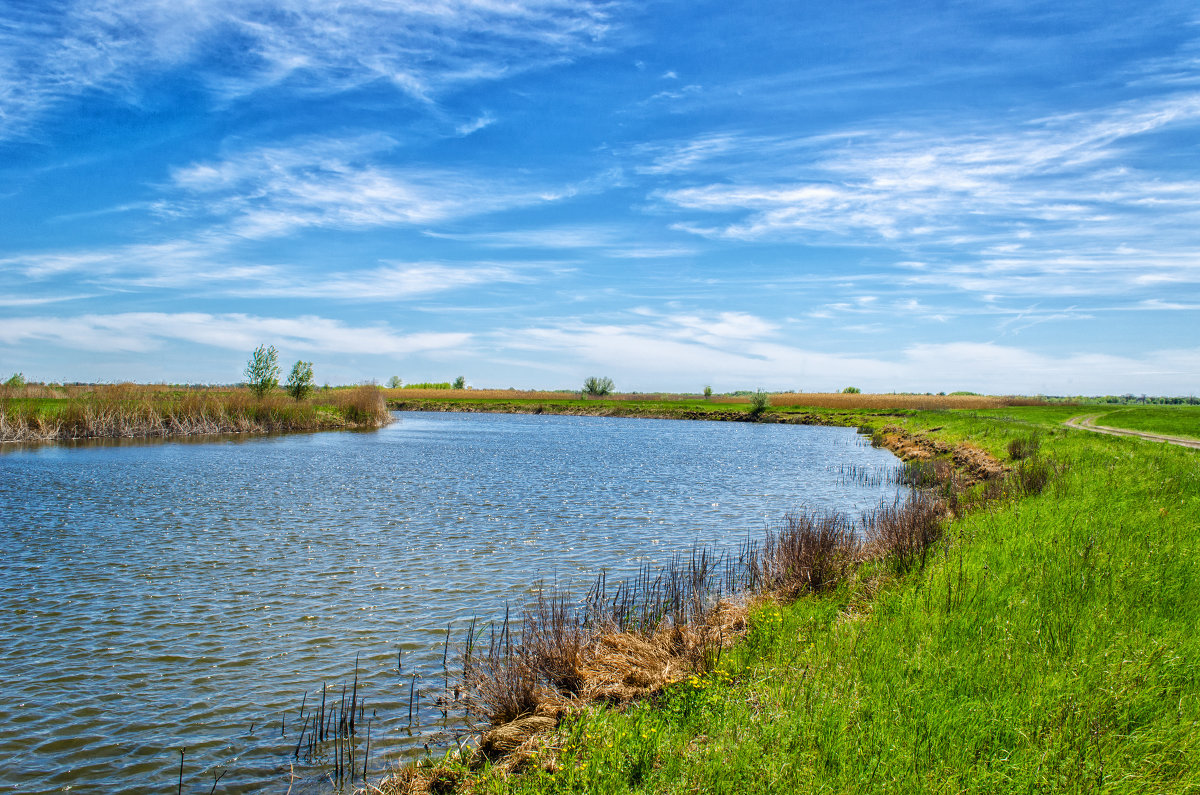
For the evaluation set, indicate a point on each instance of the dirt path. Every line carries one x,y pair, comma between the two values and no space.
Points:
1086,422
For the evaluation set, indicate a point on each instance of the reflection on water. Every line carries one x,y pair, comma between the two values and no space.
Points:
164,596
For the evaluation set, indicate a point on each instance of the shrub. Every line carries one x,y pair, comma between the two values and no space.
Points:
851,390
16,381
300,382
1024,447
759,402
597,386
707,392
262,371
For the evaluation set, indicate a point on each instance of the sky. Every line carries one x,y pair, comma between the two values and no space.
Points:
1000,197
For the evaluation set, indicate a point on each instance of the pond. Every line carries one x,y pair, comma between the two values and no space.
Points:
165,597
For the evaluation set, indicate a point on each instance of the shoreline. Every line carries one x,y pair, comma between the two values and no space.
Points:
1003,660
626,665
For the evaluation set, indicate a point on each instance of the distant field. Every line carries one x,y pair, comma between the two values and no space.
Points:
836,400
1171,420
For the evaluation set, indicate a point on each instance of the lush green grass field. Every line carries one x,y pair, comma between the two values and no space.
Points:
1170,420
1051,644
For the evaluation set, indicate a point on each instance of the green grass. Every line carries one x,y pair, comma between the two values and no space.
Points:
674,408
1170,420
1051,644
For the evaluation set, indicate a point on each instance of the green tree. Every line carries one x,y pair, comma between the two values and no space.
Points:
16,381
394,382
597,385
707,392
460,382
300,382
262,371
851,390
759,402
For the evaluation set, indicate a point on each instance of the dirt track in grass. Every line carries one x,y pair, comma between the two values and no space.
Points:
1087,422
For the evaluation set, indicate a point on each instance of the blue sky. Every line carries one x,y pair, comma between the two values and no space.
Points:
925,196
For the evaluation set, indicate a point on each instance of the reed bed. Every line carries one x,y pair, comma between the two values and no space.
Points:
137,410
633,639
629,639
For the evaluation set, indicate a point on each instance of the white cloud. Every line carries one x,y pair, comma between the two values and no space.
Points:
206,262
1025,205
54,52
140,332
613,241
670,354
332,183
188,260
475,125
395,281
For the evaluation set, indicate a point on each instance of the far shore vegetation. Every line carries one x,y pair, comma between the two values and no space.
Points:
43,413
32,411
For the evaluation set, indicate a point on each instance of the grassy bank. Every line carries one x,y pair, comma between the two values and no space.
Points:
41,414
1047,642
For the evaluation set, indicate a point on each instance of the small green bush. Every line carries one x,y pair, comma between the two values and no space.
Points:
300,382
262,371
759,402
597,386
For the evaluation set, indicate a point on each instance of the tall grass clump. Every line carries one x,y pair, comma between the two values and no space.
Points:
903,533
1024,447
808,554
362,405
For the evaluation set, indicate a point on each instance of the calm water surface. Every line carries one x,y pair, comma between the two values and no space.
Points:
165,596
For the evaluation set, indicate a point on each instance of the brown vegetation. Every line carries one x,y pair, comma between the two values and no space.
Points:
40,414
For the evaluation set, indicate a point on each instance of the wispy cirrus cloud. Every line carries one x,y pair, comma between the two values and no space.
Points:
60,50
1062,204
391,282
139,332
613,240
338,183
192,264
1068,170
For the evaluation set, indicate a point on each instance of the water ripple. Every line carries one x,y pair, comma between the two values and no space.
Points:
162,596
